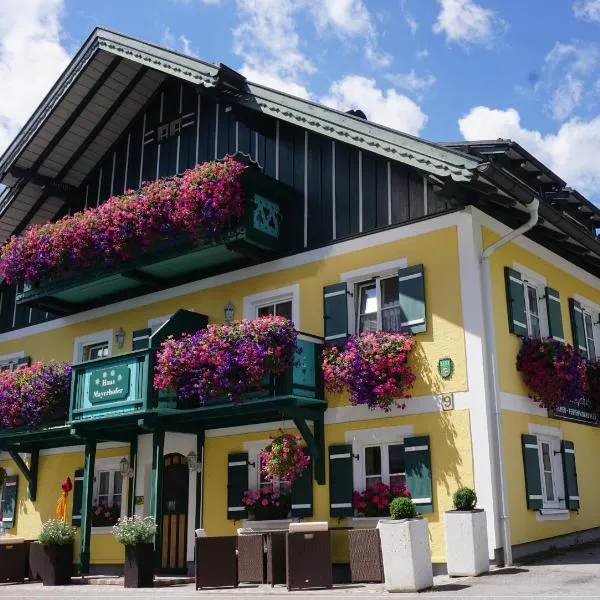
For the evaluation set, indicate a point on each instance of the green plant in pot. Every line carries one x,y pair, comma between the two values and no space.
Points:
137,535
464,498
402,508
57,539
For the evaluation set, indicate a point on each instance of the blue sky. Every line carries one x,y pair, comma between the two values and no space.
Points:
441,69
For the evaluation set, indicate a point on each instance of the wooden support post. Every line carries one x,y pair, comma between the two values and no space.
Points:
199,478
156,496
133,479
30,473
86,506
319,431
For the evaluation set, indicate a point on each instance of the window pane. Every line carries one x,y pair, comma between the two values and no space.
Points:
534,322
589,334
284,309
265,311
389,292
118,486
367,309
533,301
103,483
372,461
397,480
371,481
546,459
94,351
549,487
396,458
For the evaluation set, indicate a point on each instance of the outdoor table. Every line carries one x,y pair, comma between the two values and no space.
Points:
13,559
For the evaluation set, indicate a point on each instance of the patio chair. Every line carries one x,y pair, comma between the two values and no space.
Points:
366,564
308,556
216,562
251,557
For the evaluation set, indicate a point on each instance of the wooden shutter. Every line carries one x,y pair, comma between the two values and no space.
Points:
341,487
335,313
302,491
570,472
578,327
9,501
515,301
411,291
237,484
417,459
555,324
140,339
77,498
533,478
23,362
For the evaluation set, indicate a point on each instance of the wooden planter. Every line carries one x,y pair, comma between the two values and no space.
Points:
139,566
57,567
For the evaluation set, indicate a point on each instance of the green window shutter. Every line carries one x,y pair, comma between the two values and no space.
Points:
533,478
9,501
577,326
341,487
302,491
411,291
140,339
237,484
77,498
23,362
515,301
335,313
570,471
417,459
555,324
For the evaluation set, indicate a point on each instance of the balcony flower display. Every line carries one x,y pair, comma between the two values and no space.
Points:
375,500
372,367
201,201
593,384
34,396
226,360
263,505
284,460
554,372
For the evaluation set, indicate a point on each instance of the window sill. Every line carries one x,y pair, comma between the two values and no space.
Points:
363,522
553,514
108,530
249,526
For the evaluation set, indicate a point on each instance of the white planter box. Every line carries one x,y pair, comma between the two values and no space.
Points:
406,555
466,543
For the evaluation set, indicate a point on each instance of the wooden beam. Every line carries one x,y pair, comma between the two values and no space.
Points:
199,478
30,473
156,495
48,183
133,447
86,506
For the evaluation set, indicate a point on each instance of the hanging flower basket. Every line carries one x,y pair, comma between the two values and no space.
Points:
264,505
593,385
372,367
554,372
226,360
375,500
201,201
284,459
34,396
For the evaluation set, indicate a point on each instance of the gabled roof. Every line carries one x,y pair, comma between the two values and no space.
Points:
104,87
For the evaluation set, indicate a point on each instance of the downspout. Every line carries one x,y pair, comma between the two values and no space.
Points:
492,366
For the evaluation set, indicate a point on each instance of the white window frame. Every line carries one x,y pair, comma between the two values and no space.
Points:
284,294
11,359
109,464
532,279
364,275
93,338
593,310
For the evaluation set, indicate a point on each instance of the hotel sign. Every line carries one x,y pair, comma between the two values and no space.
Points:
109,384
580,411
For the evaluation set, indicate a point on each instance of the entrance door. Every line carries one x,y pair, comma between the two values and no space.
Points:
175,513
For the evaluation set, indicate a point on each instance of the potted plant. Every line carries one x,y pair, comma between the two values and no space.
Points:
57,538
375,500
466,536
405,548
284,458
136,534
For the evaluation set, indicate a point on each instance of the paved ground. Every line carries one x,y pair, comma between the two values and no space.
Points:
573,574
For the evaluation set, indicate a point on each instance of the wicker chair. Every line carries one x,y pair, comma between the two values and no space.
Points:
366,564
251,558
216,562
308,556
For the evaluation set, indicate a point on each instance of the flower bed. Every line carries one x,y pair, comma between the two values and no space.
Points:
34,396
372,367
201,201
226,360
374,501
263,505
554,372
284,459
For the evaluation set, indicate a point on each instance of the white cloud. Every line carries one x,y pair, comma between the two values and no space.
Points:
566,97
579,57
387,107
422,54
466,22
411,81
588,10
181,44
572,152
349,18
410,20
31,59
377,59
277,83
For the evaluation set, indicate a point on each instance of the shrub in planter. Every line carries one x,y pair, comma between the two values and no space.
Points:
466,536
264,505
136,534
57,538
375,500
372,367
284,459
405,548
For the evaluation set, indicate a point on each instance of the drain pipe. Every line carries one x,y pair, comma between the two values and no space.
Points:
492,361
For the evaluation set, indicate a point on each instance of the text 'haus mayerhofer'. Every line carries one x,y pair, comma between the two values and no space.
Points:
474,250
